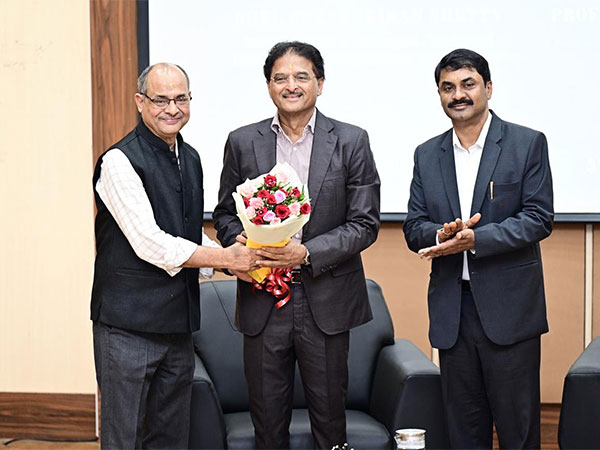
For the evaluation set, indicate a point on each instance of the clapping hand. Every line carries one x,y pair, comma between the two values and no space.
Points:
454,237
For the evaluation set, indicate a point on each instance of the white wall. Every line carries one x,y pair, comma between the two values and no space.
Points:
46,209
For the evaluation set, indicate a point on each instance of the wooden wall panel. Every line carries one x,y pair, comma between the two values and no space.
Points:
47,416
403,277
114,70
563,257
114,54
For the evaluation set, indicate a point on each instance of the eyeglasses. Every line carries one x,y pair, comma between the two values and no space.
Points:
164,102
301,78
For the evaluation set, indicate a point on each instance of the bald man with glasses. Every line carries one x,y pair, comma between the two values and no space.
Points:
145,297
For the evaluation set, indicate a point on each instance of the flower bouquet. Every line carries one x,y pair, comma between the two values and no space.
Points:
272,208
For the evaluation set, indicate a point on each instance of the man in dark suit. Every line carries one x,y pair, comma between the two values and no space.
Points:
486,293
329,295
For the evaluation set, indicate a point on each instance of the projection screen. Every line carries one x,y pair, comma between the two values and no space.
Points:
379,61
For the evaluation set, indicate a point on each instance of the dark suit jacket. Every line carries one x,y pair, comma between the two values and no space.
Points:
344,189
506,269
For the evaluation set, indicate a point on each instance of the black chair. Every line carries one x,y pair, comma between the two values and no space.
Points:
579,424
392,384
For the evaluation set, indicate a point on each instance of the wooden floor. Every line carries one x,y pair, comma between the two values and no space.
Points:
550,415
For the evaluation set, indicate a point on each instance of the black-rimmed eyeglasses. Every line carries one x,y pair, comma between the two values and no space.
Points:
164,102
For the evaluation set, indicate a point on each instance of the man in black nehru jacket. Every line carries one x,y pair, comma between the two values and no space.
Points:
145,298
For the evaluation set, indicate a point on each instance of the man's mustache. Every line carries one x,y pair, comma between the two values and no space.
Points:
464,101
296,92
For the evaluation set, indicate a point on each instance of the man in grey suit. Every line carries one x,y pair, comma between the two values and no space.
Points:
486,293
329,294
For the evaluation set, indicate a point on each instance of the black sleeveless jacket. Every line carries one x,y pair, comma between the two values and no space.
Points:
131,293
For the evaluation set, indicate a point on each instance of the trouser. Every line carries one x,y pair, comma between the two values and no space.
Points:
269,360
145,381
485,384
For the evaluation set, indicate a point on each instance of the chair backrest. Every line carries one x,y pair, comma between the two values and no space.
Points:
219,345
366,342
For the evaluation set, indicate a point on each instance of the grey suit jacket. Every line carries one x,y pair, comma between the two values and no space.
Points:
506,269
344,187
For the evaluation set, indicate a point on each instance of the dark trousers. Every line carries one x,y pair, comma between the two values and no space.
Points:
269,362
146,385
484,384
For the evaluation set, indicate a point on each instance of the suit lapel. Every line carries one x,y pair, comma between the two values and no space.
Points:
265,147
322,150
448,170
489,159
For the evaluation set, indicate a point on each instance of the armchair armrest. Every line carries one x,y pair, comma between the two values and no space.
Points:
406,393
578,424
207,427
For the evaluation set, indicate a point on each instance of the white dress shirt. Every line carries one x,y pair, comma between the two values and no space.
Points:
466,162
123,193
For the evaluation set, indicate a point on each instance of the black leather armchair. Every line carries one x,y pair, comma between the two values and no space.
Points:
392,384
579,425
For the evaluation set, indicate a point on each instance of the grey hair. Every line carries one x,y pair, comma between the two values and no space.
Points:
142,81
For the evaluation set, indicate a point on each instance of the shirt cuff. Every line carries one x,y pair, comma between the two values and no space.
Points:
185,250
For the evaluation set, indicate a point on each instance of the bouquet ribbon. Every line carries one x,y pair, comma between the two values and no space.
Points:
275,281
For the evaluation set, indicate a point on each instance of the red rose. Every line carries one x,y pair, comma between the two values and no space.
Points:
270,181
271,200
263,193
305,208
246,202
261,211
296,192
258,220
282,211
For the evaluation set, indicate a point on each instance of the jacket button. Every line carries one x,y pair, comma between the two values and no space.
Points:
186,219
173,160
178,189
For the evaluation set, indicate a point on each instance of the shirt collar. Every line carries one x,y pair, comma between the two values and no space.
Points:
310,126
482,135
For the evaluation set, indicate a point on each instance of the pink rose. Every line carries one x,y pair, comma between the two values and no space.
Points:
283,178
250,212
269,216
280,196
256,202
275,221
294,208
247,189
